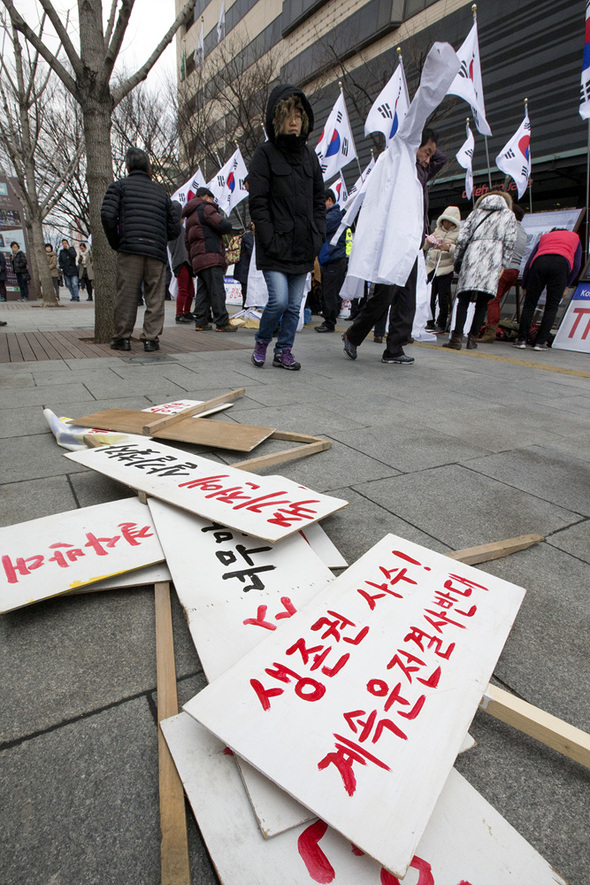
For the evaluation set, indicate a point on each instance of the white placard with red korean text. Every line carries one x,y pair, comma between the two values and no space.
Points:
574,330
466,840
52,555
358,706
234,588
141,577
269,507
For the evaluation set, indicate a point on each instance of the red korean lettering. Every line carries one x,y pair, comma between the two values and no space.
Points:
346,753
336,625
265,694
21,565
260,619
418,636
97,543
134,535
465,582
405,667
305,688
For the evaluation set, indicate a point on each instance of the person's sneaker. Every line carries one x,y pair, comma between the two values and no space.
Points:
151,346
400,360
3,323
519,343
204,328
349,348
377,339
227,328
120,344
543,346
437,330
259,355
430,326
324,328
285,360
184,318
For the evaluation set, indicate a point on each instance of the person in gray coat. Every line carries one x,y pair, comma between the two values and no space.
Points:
483,248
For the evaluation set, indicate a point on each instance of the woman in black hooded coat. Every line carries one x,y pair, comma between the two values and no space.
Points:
288,210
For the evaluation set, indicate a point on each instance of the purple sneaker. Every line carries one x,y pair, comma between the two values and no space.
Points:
285,360
259,355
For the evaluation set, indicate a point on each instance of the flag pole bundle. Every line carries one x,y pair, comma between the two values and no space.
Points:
515,157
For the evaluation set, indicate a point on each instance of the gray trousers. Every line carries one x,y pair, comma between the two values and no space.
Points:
132,271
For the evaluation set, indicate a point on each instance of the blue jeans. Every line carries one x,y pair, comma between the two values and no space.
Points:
285,294
72,284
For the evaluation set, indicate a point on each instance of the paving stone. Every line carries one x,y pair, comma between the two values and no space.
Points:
22,422
34,457
574,540
31,499
40,396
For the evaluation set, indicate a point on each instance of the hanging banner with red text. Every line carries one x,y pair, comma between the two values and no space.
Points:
466,840
574,331
358,706
269,507
52,555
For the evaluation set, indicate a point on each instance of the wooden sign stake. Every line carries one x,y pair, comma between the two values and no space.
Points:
174,847
496,550
312,445
160,423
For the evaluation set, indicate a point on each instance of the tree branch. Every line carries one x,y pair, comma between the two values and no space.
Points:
111,22
114,46
125,88
55,65
63,35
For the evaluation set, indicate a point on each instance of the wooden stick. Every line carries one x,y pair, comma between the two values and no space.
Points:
548,729
91,441
320,445
496,550
174,847
160,423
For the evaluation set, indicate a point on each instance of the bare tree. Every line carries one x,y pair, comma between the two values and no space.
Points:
25,99
90,84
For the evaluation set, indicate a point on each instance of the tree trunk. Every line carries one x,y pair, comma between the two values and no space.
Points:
97,134
40,271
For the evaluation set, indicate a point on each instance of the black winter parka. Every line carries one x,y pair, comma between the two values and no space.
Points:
287,202
137,216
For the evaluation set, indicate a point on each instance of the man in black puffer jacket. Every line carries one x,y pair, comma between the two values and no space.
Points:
138,220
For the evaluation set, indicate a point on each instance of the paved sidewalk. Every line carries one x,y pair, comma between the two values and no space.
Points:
461,449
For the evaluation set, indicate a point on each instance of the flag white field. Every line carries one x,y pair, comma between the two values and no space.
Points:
356,195
515,157
336,145
464,158
199,54
227,186
340,189
468,84
585,84
390,107
189,189
221,24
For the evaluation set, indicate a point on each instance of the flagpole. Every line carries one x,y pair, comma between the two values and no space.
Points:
485,138
587,189
467,130
357,159
526,113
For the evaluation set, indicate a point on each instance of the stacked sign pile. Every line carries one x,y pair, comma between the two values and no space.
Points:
345,701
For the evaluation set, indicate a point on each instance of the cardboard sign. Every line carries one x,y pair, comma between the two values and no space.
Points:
269,507
574,331
55,554
361,701
323,545
466,840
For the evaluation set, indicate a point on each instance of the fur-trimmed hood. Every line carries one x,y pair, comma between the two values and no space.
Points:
496,200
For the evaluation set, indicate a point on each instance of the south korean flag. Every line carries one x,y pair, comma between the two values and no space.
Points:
515,157
336,148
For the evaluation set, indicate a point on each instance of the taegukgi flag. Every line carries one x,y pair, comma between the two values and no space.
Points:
199,54
340,190
515,157
468,84
189,190
336,145
585,86
221,24
228,186
464,158
390,107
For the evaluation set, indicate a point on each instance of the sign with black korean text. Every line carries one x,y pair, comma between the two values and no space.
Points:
67,551
358,706
466,841
269,507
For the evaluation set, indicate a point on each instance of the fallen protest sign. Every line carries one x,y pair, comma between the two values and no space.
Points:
140,577
244,591
466,840
52,555
269,507
573,333
370,738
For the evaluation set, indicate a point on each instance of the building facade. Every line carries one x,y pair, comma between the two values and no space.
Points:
529,49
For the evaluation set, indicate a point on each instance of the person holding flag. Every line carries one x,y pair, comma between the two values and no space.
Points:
288,209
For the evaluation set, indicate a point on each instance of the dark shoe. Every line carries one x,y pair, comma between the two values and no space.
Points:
324,328
120,344
151,346
259,355
454,342
204,328
3,323
349,348
399,360
89,299
377,339
489,335
471,343
430,326
438,330
226,328
284,359
184,318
